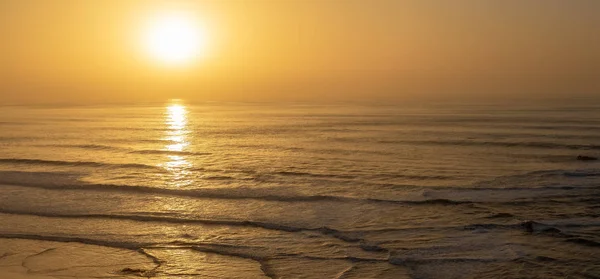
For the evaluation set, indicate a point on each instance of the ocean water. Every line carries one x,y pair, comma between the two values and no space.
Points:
299,191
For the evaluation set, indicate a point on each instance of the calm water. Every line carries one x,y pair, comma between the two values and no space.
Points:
298,191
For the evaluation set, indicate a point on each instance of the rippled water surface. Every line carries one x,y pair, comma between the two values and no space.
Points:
299,191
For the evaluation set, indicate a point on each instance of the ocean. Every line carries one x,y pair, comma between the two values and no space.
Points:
236,190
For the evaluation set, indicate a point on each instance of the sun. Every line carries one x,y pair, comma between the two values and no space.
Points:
174,39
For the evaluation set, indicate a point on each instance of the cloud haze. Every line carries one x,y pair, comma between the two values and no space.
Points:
305,50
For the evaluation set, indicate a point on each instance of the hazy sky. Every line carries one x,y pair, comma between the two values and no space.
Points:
303,50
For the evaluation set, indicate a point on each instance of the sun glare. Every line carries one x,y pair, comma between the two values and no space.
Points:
174,39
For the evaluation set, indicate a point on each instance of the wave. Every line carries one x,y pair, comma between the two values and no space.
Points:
501,215
169,152
309,174
269,195
580,174
413,176
562,127
219,177
86,146
290,173
427,202
537,228
583,241
312,150
462,143
524,121
212,193
20,138
479,193
159,141
532,227
542,179
256,253
93,146
117,148
74,163
346,176
529,226
163,219
346,236
326,231
544,145
55,238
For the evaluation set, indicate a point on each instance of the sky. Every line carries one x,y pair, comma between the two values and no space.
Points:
303,50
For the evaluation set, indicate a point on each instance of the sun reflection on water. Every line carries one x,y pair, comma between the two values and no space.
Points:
177,135
177,117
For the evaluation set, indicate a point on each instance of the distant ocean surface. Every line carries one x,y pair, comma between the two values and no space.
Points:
299,191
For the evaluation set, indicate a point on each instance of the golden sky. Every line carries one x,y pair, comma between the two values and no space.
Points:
302,50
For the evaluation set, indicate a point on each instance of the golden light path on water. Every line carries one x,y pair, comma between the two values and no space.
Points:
176,119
